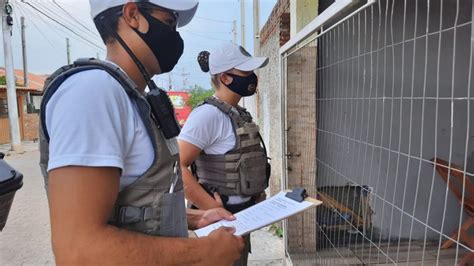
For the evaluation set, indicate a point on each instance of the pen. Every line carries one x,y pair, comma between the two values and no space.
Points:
174,177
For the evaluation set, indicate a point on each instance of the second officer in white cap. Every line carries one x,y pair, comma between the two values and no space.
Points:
221,141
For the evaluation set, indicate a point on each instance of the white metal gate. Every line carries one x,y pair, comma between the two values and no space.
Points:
393,95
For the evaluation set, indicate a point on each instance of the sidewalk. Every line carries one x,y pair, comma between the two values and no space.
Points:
28,146
26,237
267,249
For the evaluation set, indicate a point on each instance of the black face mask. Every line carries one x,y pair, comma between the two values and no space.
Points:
165,43
243,86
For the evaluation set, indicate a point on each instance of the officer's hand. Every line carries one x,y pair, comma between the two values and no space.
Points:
218,203
227,248
214,215
261,197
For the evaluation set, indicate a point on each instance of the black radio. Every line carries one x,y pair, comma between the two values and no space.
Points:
163,111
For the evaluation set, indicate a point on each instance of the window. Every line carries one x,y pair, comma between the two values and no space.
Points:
34,104
3,107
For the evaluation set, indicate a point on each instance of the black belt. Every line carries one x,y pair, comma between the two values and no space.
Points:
235,208
232,208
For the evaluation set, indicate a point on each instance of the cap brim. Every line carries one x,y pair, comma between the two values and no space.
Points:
253,64
186,9
184,17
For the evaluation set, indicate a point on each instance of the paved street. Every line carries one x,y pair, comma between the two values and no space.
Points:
26,237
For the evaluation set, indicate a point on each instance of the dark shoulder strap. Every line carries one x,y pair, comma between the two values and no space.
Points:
234,116
221,105
53,83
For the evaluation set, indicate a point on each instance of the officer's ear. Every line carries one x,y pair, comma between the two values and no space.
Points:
226,79
131,15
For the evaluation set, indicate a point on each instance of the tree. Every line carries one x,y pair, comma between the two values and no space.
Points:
197,95
3,81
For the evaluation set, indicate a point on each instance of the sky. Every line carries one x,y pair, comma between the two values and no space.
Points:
46,39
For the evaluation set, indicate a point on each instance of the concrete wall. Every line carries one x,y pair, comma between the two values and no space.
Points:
268,100
269,108
31,123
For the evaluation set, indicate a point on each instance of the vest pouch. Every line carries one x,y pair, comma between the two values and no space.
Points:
223,187
173,215
253,173
220,171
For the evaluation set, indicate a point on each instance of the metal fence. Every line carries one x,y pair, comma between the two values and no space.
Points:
390,149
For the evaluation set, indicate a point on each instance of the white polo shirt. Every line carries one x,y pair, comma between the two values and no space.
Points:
92,122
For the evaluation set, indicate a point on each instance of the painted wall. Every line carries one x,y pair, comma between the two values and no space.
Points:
302,13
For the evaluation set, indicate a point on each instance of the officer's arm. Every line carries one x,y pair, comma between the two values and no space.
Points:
194,192
81,199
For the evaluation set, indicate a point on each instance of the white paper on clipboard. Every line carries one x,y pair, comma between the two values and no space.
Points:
272,210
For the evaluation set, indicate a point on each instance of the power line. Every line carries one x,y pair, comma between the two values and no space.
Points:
23,13
75,19
204,36
64,31
59,31
64,26
16,23
78,8
52,13
213,32
215,20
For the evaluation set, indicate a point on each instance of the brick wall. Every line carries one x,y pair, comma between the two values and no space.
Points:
301,143
274,34
31,126
276,21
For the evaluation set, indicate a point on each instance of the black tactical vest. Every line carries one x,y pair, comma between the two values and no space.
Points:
242,171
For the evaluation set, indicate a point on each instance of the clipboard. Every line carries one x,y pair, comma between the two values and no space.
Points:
277,208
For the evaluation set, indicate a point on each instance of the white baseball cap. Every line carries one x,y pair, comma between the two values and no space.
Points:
184,8
229,56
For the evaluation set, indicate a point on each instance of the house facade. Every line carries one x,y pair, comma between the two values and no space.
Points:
28,101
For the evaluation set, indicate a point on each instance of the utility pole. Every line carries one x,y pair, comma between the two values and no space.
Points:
242,33
68,51
242,20
7,23
185,79
256,47
234,31
26,81
256,27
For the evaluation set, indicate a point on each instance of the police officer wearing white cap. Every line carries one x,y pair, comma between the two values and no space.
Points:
220,140
109,153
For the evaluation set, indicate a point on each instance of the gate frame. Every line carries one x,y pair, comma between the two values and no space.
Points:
301,39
